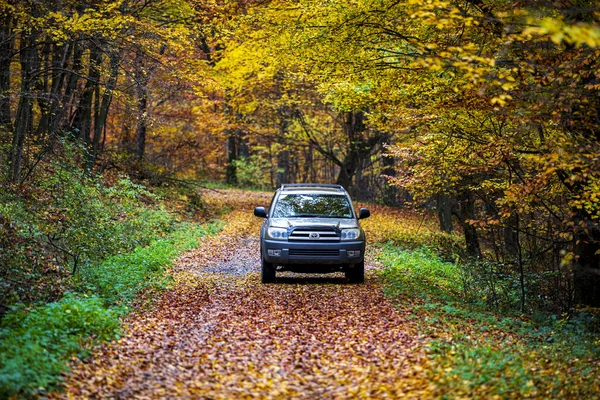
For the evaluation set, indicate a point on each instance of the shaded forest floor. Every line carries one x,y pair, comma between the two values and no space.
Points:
406,333
220,333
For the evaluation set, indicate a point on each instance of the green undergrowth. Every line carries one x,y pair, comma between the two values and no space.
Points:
478,352
37,342
119,278
65,221
409,230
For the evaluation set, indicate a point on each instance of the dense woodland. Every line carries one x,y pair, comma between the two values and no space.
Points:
484,112
470,127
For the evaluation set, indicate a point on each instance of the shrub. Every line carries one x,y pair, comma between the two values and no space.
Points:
477,353
66,220
253,172
36,343
419,273
119,278
408,230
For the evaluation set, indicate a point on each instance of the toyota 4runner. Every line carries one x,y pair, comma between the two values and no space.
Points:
312,228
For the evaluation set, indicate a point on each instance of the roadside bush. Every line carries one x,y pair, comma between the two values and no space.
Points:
475,352
491,285
65,220
119,278
408,230
419,273
75,249
36,343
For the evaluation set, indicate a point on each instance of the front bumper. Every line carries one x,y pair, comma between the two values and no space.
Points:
303,252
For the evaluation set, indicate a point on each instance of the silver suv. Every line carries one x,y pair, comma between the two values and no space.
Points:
312,228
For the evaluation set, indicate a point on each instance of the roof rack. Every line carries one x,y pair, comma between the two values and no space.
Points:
312,185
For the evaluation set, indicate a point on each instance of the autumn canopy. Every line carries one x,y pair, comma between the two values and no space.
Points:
485,111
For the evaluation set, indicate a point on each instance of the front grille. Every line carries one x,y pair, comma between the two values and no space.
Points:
311,235
314,252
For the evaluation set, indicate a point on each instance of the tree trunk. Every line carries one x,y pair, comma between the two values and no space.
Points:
70,90
230,171
6,52
345,175
42,86
23,121
243,152
308,160
467,213
102,114
353,127
444,212
283,160
390,192
511,237
587,268
83,118
49,121
142,119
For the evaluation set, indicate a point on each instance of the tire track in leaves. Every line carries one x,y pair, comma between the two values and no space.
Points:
221,334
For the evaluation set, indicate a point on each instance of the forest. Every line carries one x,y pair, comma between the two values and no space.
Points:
482,117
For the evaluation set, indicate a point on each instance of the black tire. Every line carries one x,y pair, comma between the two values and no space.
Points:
356,274
267,272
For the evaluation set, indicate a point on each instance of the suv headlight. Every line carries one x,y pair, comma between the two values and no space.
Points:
277,233
350,234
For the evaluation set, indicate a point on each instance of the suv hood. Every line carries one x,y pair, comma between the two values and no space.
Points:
342,223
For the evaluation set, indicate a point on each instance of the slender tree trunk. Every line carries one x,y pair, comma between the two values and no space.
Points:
142,119
444,212
353,127
6,52
231,170
308,161
243,152
587,268
283,157
42,87
390,192
521,263
283,163
511,236
83,119
467,213
70,90
23,122
102,114
49,120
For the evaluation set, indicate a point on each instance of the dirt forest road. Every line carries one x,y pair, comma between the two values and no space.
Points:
221,334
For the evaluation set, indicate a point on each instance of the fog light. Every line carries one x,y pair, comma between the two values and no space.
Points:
274,253
353,253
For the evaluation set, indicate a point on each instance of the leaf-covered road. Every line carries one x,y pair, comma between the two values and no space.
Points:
220,333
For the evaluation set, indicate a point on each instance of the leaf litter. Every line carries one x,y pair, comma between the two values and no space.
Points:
219,333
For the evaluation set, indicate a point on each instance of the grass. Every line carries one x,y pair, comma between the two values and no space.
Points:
477,353
37,343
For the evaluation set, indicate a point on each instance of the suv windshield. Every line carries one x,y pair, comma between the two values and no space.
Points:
312,205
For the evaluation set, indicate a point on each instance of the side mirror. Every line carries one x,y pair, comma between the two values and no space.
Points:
260,212
364,213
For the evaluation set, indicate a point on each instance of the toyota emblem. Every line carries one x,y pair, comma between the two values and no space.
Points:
314,235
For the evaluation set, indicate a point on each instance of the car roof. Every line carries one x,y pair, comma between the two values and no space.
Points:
312,188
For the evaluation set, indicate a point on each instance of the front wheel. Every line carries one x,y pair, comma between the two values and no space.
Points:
267,272
357,273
